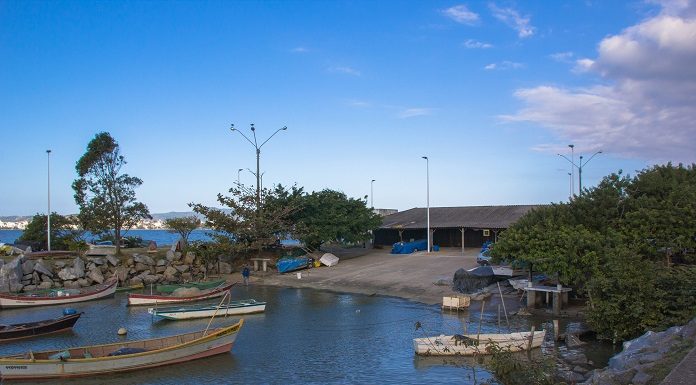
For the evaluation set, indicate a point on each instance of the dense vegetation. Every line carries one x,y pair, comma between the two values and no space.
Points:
628,245
105,196
64,232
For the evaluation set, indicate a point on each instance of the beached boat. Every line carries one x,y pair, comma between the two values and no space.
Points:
200,285
285,265
59,297
247,306
120,356
37,328
145,299
472,344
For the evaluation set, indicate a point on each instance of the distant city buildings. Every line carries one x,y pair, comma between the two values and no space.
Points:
21,224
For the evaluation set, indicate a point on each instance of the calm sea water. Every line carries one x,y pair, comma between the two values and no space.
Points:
304,337
162,237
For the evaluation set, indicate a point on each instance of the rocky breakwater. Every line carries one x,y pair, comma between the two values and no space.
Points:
23,274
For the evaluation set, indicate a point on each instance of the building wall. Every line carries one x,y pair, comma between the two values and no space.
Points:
442,237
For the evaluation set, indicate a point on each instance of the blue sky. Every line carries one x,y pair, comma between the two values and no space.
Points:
489,91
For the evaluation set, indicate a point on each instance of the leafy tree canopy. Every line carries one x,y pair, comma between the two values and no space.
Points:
64,231
619,243
105,196
183,226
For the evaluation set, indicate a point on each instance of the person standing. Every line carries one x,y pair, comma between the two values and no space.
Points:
245,274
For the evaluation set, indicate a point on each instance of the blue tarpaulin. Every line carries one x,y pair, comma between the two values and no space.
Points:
409,247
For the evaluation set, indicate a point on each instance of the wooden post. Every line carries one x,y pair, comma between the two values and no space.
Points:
498,318
556,332
462,231
505,310
478,333
529,344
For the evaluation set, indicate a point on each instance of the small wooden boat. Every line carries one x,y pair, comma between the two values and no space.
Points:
471,344
247,306
121,289
120,356
286,265
145,299
59,297
200,285
32,329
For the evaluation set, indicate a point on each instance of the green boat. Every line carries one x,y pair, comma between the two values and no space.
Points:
200,285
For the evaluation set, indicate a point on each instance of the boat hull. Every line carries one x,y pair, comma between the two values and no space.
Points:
218,342
200,285
467,345
286,265
14,301
184,313
142,299
34,329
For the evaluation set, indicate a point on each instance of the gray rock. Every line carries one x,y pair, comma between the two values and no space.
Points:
161,262
11,275
689,330
97,260
130,262
189,258
580,369
160,269
83,282
170,256
35,277
96,276
148,279
112,260
67,274
28,288
91,266
28,266
45,278
641,378
141,267
41,268
182,268
121,273
45,285
186,276
71,285
144,259
170,270
136,281
225,268
650,357
58,264
78,267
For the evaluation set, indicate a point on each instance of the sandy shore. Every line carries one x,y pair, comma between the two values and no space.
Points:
412,276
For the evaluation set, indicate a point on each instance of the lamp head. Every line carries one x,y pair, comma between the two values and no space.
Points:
232,127
424,157
284,128
240,169
252,127
48,151
571,145
373,180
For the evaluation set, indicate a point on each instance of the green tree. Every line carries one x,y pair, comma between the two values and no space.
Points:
105,196
244,228
183,226
64,231
331,216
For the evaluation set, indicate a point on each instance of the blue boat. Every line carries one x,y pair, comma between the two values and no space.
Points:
286,265
409,247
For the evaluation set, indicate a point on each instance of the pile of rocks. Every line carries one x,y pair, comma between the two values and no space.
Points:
23,274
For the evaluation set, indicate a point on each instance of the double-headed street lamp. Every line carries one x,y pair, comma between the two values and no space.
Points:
238,171
257,147
427,188
579,166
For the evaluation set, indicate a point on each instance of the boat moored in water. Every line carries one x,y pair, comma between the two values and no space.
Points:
148,299
120,356
473,344
59,297
247,306
37,328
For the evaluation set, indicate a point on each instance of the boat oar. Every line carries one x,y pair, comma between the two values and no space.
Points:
227,293
504,310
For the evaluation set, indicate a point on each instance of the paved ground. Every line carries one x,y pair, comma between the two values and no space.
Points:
410,276
684,373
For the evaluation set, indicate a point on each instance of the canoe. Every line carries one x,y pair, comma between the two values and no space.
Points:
59,297
200,285
471,344
285,265
121,289
247,306
145,299
32,329
120,356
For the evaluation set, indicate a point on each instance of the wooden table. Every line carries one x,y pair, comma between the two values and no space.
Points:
560,296
264,263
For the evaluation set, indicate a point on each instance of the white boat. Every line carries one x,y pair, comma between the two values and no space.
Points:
519,284
118,357
145,299
472,344
59,297
247,306
329,259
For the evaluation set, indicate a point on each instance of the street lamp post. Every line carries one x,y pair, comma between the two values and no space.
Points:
372,194
427,189
238,171
572,170
257,147
48,217
579,166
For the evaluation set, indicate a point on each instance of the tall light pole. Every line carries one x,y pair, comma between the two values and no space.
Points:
427,189
257,147
572,170
579,166
570,185
48,217
238,171
372,194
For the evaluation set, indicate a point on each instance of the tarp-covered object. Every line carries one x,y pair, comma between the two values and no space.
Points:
470,281
285,265
409,247
329,259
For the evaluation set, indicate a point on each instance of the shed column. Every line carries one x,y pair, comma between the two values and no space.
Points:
462,231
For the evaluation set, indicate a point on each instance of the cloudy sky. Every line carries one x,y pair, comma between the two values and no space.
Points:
491,92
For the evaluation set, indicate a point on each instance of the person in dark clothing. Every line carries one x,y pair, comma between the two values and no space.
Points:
245,274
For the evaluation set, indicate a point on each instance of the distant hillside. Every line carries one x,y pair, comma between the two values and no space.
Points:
161,216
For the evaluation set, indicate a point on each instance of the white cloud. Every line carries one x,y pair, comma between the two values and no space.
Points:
461,14
646,108
504,65
358,103
413,112
300,50
345,70
471,43
563,57
513,19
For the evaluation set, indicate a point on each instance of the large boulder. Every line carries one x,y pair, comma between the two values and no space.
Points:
67,274
96,276
79,267
112,260
121,273
141,267
189,258
45,285
182,268
41,268
144,259
71,285
83,282
225,268
28,266
11,275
